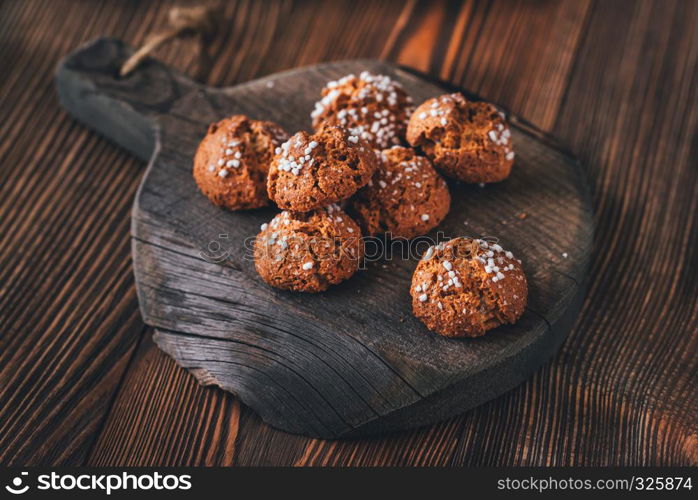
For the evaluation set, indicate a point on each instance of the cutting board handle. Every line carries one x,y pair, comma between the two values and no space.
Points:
124,109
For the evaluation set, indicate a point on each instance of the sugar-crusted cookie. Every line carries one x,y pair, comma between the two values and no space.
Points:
312,171
466,140
373,107
231,163
465,287
406,197
308,252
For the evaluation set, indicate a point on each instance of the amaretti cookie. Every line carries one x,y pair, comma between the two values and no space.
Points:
406,196
231,163
373,107
465,287
466,140
308,252
312,171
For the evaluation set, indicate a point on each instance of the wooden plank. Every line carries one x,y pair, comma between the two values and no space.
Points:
517,53
278,439
68,311
363,28
633,358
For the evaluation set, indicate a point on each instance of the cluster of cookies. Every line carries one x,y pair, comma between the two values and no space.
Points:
371,168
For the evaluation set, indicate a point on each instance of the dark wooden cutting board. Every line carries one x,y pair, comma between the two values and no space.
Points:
352,360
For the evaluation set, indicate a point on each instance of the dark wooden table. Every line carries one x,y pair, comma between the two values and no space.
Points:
81,381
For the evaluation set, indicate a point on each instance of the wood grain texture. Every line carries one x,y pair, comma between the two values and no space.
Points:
351,361
620,91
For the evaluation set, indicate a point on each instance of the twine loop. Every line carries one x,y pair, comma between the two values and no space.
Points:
199,20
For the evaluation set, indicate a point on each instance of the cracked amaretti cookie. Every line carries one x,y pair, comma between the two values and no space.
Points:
231,163
466,140
373,107
465,287
406,196
308,252
312,171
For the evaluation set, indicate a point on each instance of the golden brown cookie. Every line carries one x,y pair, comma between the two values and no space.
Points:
465,287
406,196
373,107
312,171
466,140
308,252
231,163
